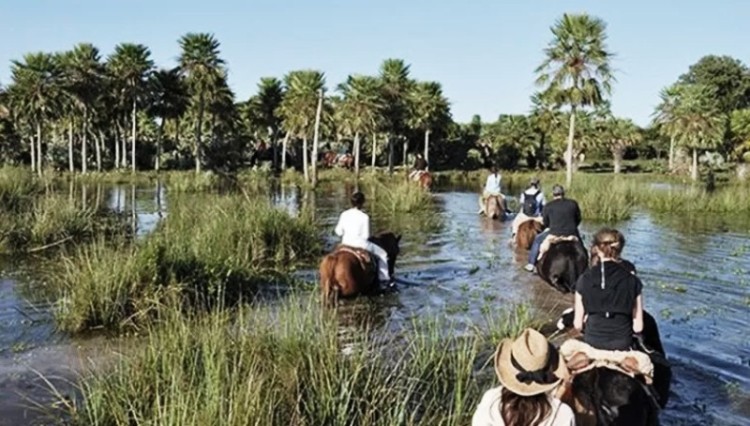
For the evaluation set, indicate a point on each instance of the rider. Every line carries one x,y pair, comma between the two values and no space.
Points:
491,187
354,229
561,218
532,203
608,297
530,371
420,165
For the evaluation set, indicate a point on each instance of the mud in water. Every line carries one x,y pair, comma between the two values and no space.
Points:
459,266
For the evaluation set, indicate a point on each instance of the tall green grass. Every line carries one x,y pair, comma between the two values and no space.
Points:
209,250
287,365
18,187
56,220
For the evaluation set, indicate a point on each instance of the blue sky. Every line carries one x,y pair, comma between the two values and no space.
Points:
483,52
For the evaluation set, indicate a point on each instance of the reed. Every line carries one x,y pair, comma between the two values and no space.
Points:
286,364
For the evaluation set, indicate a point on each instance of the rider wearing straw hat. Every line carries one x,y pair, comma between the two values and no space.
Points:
530,370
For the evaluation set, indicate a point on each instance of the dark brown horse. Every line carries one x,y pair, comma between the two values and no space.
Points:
562,264
344,274
527,231
606,397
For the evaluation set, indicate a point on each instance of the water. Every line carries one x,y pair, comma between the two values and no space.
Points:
460,267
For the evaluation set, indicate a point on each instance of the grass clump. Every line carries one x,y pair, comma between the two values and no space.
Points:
207,252
287,365
18,187
54,220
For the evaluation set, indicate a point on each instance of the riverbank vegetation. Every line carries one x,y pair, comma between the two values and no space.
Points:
288,363
210,251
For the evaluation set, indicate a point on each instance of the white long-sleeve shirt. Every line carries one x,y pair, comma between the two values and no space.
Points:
354,228
492,186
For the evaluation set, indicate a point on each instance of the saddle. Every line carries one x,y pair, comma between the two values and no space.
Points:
363,256
416,174
553,239
580,357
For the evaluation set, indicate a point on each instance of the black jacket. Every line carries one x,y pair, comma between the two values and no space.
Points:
562,216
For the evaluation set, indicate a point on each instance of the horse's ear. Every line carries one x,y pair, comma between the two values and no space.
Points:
398,238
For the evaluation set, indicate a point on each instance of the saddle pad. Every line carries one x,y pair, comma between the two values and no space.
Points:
614,360
553,239
362,255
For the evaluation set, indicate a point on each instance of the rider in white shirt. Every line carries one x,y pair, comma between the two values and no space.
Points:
354,229
491,187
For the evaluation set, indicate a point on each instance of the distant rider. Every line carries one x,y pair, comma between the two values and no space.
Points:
420,165
532,204
354,229
491,188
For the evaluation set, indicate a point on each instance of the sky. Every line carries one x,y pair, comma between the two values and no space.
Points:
484,52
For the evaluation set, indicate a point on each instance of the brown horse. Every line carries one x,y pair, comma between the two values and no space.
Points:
343,274
494,207
425,180
527,231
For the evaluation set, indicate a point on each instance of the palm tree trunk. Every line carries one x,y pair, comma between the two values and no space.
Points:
694,168
356,155
283,151
198,130
316,136
569,150
389,141
427,148
374,150
117,146
71,167
617,154
406,151
124,151
134,127
304,159
98,147
33,154
157,161
39,163
84,143
671,154
274,147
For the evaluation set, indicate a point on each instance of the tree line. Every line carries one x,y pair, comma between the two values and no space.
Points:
79,111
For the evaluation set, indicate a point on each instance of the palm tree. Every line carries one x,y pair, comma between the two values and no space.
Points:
299,107
545,118
264,108
394,75
619,134
201,64
428,108
130,66
169,102
576,71
665,119
700,124
83,74
360,110
35,93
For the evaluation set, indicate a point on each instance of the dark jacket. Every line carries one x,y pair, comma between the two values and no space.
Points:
562,216
420,164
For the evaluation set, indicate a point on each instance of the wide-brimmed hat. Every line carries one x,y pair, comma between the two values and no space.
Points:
529,365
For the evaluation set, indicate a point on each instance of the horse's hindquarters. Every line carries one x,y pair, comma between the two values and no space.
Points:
562,264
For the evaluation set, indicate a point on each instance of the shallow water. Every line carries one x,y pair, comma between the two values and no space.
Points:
459,266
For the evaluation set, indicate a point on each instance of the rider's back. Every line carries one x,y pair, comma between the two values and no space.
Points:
562,217
354,228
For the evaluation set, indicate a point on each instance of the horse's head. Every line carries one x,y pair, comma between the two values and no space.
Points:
389,242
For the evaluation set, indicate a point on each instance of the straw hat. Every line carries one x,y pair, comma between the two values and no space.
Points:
529,365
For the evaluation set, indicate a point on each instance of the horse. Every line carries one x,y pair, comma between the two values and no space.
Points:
422,177
262,153
494,207
344,274
329,159
346,161
603,396
527,231
562,264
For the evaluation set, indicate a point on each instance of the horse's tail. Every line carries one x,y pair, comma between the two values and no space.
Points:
329,287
